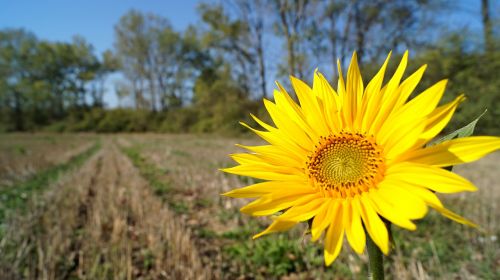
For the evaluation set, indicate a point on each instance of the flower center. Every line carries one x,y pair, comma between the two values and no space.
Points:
346,164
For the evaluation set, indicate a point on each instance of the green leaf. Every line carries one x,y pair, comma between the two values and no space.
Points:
461,132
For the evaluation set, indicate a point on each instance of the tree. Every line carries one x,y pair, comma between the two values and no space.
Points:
229,39
43,81
252,13
292,19
487,26
152,57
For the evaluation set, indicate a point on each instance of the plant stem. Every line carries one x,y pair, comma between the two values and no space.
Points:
376,260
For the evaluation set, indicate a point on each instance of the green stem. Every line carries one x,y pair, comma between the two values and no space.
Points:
376,260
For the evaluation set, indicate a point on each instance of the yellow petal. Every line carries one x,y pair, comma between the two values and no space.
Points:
438,119
455,217
434,178
289,101
424,103
407,204
433,201
393,83
273,154
323,218
333,238
277,140
409,117
372,98
353,227
276,226
390,96
261,172
300,213
310,106
331,106
291,130
285,140
373,224
268,163
407,87
456,151
390,212
341,90
354,91
263,188
402,139
423,193
286,104
294,112
265,206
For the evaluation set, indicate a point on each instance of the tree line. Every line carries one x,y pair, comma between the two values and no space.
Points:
216,71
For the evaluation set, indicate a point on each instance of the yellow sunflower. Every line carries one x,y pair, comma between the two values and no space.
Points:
348,158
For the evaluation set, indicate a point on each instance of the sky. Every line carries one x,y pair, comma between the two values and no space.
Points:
60,20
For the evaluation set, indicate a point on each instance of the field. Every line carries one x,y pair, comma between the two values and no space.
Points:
148,206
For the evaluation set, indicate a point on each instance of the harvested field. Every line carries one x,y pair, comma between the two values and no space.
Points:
22,155
100,222
149,207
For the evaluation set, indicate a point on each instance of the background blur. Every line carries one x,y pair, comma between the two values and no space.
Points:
101,202
199,66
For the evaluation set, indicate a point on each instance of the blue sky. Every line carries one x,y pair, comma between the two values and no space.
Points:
60,20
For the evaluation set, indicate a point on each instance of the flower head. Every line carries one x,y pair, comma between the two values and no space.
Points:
348,159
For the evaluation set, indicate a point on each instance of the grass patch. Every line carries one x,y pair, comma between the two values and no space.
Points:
156,178
15,197
445,247
179,207
279,255
206,233
152,174
20,150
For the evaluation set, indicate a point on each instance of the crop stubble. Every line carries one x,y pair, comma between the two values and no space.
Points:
102,221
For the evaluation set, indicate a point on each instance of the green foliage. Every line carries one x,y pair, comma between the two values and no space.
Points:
160,185
278,255
108,121
461,132
41,81
155,58
220,102
275,256
179,120
123,120
179,207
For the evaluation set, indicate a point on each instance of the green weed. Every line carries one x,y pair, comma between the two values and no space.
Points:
15,197
160,187
20,150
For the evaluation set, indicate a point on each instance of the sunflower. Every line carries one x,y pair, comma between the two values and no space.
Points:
349,159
